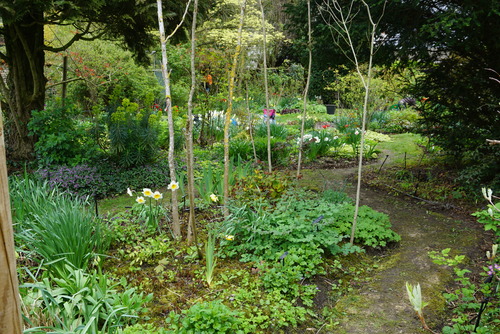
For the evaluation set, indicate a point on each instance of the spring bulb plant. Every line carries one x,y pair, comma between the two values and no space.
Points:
415,296
151,213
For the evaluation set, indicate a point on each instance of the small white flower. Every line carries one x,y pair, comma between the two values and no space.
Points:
173,186
356,132
326,139
140,200
214,198
147,192
317,140
157,195
129,192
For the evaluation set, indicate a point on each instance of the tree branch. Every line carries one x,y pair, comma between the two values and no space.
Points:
493,141
63,82
75,38
181,22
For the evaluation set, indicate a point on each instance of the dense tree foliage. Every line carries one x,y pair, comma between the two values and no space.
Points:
456,44
22,30
453,43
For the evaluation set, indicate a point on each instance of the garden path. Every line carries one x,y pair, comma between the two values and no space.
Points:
381,305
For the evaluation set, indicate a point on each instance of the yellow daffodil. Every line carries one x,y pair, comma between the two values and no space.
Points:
214,198
173,186
129,192
140,200
230,237
147,192
157,195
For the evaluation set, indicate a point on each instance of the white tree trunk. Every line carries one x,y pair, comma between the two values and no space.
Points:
176,227
192,236
306,89
232,78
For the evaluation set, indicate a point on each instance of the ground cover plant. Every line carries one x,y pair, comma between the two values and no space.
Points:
61,245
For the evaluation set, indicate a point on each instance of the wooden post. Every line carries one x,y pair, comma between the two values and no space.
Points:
10,307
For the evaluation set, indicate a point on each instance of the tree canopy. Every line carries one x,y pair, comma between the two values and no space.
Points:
22,31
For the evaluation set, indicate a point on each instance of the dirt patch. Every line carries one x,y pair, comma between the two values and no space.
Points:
381,305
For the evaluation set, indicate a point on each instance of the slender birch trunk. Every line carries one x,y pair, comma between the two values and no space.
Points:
176,226
268,119
342,21
250,126
191,235
232,78
306,89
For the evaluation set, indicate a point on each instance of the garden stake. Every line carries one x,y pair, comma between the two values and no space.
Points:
317,220
282,258
484,303
96,208
386,156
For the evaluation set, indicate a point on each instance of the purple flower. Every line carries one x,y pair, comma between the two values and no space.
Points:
493,268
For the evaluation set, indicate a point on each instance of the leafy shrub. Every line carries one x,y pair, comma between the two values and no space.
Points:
277,131
56,227
490,218
280,150
62,138
105,179
291,267
401,121
286,276
143,329
211,180
117,179
80,180
241,148
265,310
336,197
209,317
468,297
318,143
297,222
80,302
164,133
133,134
259,185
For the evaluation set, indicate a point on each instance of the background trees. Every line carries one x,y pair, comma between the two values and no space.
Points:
454,43
24,55
451,43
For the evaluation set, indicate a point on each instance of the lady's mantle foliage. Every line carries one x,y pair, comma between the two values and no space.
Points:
302,220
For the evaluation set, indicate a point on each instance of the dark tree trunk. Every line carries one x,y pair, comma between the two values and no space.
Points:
24,43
